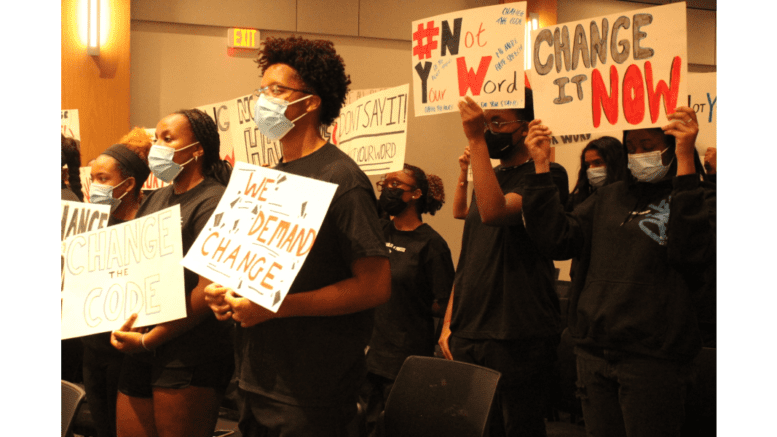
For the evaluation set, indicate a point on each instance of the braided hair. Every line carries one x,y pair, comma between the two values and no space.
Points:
71,155
317,64
432,191
207,133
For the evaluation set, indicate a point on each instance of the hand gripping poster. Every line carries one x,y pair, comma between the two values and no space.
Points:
261,233
131,267
616,72
475,52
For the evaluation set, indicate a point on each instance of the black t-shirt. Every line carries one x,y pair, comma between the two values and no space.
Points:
319,361
504,287
210,339
421,272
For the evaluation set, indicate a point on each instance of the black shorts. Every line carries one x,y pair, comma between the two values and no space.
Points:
138,377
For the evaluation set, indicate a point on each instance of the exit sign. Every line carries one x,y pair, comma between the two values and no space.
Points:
243,38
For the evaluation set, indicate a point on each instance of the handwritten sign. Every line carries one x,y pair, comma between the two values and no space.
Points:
351,97
373,130
78,218
261,232
476,52
703,98
616,72
71,127
133,267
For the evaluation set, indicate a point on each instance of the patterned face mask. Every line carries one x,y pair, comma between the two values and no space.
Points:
270,116
648,167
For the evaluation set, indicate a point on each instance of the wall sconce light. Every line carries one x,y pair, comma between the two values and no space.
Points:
531,24
93,28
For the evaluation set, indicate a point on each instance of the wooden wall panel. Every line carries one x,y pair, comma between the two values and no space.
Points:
99,87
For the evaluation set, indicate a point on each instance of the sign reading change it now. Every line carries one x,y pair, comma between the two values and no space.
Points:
261,232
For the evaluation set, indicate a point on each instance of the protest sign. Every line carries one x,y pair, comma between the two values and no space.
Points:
261,232
373,130
78,218
351,97
475,52
70,124
616,72
132,267
703,98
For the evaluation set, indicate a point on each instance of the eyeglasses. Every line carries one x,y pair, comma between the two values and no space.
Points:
383,183
276,90
491,125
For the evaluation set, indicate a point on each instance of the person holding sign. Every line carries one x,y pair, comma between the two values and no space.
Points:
175,373
503,312
421,279
644,246
117,176
601,163
300,369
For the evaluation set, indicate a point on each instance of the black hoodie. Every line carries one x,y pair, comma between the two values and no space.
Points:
643,250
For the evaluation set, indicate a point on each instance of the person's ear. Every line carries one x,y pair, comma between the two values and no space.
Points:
417,194
131,184
313,103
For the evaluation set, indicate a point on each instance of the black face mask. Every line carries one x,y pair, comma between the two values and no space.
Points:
500,145
391,201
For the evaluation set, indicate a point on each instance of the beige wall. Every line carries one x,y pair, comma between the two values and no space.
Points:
177,65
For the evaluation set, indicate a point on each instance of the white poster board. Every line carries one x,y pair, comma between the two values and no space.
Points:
77,218
132,267
351,97
475,52
616,72
703,98
261,232
373,130
71,127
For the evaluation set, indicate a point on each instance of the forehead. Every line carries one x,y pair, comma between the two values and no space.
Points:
401,176
500,115
592,155
281,74
173,123
105,164
644,135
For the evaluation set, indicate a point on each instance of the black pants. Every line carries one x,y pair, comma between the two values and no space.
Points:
527,368
101,382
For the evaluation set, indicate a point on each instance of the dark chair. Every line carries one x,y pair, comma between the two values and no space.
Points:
700,408
433,396
72,396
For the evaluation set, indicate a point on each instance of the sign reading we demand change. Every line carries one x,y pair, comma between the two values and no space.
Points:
475,52
113,272
616,72
261,232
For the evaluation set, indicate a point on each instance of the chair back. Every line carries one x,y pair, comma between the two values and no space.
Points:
72,396
434,396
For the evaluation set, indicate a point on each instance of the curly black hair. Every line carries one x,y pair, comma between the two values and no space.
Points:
207,133
432,191
317,65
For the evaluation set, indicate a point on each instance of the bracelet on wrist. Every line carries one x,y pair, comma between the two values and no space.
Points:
143,342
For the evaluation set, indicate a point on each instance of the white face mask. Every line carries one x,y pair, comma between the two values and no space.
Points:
160,161
648,167
103,194
270,116
596,176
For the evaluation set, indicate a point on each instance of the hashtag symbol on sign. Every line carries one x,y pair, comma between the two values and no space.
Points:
425,50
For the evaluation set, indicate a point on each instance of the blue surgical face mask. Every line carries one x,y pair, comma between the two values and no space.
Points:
160,161
596,176
648,167
100,194
270,116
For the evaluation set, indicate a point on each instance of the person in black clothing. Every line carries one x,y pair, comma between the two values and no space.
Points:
72,349
644,247
503,312
174,374
602,162
299,370
421,279
71,156
117,176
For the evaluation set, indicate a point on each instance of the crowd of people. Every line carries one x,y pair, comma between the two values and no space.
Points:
639,225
